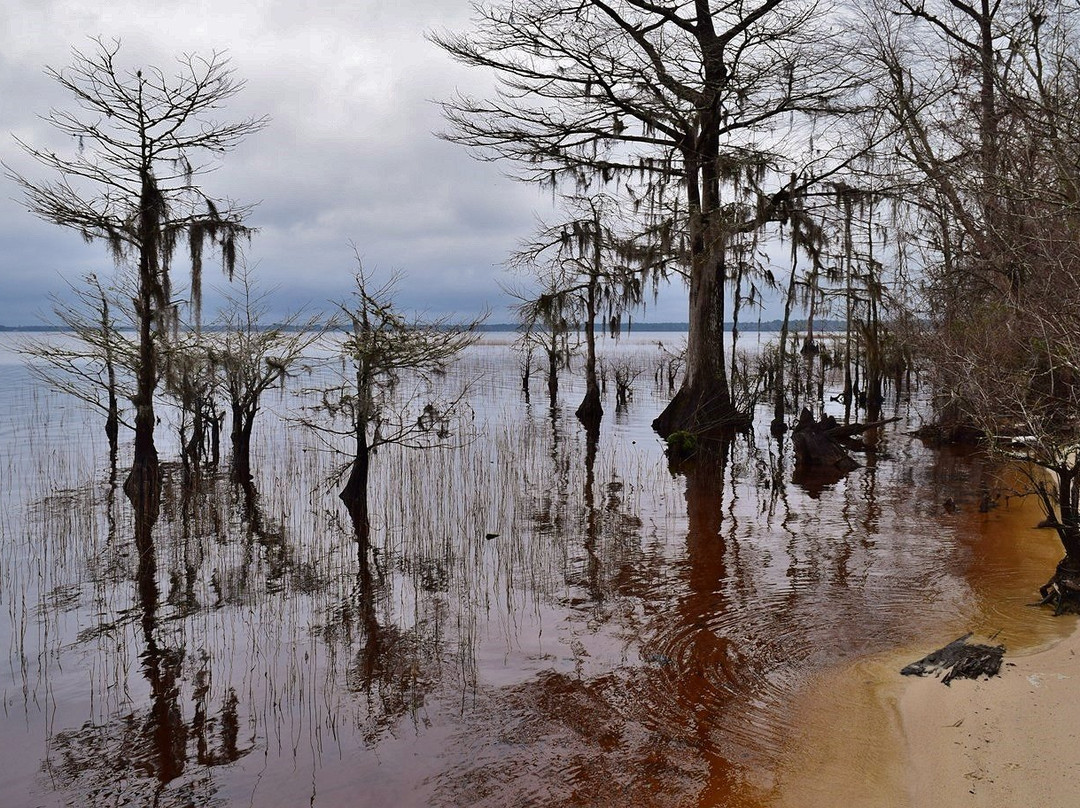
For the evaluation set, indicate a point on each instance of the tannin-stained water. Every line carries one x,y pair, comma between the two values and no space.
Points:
543,618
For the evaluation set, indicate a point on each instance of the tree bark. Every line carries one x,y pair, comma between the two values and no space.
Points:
243,420
143,485
355,492
703,403
590,411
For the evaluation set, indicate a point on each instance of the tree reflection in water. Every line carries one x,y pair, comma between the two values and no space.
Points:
142,756
549,615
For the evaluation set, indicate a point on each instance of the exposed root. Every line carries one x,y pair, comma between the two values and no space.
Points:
1062,591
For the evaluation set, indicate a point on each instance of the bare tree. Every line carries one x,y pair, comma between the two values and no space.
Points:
189,376
1018,368
1004,345
384,394
588,268
252,356
693,108
548,328
95,362
138,137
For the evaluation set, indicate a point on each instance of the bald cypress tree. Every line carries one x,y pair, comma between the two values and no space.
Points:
705,113
141,140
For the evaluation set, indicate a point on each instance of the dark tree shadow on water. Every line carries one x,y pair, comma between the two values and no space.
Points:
145,756
392,670
643,732
592,514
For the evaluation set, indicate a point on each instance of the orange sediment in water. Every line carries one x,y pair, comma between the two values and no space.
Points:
852,746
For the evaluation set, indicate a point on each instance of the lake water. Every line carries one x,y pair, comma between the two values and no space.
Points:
539,622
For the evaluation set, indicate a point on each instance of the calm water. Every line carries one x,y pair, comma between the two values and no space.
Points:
632,636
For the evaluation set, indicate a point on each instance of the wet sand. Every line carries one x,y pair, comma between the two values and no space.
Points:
874,739
1010,740
895,742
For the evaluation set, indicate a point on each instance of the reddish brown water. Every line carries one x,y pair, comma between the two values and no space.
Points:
632,636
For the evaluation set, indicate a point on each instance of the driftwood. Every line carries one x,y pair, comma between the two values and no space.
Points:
962,660
826,442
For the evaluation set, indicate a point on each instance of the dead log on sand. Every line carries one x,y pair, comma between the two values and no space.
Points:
962,660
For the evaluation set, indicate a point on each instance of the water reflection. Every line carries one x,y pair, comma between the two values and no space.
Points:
549,615
145,755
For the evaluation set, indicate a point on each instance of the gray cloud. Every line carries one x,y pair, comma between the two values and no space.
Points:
348,158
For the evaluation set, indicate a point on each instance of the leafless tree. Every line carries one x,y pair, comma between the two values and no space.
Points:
995,136
95,361
587,268
252,356
138,138
384,394
1018,367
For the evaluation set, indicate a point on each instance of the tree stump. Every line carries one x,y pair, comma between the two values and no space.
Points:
826,443
814,444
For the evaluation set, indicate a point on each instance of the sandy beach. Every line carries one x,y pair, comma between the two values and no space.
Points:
1006,741
871,738
874,739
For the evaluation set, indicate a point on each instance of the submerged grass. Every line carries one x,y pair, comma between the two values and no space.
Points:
540,616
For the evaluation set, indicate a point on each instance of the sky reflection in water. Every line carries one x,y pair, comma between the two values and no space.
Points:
634,634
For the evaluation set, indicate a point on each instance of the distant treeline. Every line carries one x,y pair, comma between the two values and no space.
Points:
766,325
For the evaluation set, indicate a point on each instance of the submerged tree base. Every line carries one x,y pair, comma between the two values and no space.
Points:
826,442
702,413
591,411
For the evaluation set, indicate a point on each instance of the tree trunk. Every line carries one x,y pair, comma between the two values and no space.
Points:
825,442
591,410
355,492
112,422
815,444
143,485
779,426
1063,588
553,376
243,420
703,403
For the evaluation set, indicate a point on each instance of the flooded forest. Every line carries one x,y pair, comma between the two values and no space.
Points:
359,556
540,617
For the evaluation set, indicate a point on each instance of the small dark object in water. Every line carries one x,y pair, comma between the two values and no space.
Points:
491,535
962,660
986,501
824,442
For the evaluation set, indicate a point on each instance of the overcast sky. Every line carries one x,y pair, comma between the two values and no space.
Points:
349,156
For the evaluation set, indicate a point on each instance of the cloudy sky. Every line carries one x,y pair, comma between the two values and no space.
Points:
349,156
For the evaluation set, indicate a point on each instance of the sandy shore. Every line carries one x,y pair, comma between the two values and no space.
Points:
875,739
871,738
1007,741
